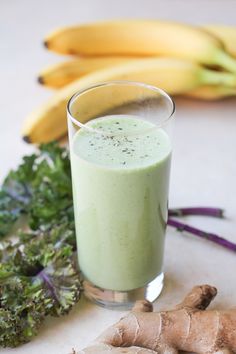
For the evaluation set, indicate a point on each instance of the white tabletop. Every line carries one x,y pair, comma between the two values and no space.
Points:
204,161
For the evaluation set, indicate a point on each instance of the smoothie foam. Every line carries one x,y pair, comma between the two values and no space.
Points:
120,186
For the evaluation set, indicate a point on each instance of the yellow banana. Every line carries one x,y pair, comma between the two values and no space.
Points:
227,34
61,74
212,93
140,37
176,76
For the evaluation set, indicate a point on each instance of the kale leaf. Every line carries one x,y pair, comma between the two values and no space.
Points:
39,188
38,271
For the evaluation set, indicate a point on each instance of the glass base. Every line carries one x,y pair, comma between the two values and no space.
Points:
123,300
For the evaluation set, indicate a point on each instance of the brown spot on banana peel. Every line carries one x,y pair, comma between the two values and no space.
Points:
40,80
26,139
46,45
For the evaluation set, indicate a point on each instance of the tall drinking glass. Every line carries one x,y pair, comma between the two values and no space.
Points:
120,149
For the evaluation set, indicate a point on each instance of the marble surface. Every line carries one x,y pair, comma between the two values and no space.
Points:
204,161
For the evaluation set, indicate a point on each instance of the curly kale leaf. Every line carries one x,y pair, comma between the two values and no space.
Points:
52,192
15,195
38,273
39,188
22,308
37,279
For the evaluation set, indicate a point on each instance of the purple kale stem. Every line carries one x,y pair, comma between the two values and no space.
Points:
214,212
45,278
203,234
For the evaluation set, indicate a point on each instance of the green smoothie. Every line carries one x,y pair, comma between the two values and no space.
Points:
120,179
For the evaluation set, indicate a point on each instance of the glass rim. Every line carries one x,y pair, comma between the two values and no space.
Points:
112,83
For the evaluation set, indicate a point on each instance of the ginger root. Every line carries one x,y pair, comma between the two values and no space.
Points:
186,328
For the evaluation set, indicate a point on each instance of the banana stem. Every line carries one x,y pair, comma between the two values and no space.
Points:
226,61
212,77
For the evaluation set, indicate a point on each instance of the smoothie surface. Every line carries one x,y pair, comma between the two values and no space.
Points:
121,141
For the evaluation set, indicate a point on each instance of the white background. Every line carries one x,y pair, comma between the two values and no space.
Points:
204,161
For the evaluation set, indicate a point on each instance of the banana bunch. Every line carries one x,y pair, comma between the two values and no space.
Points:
181,59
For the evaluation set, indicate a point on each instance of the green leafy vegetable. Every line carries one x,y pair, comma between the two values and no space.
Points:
38,272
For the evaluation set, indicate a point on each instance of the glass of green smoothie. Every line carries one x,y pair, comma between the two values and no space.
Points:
120,150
